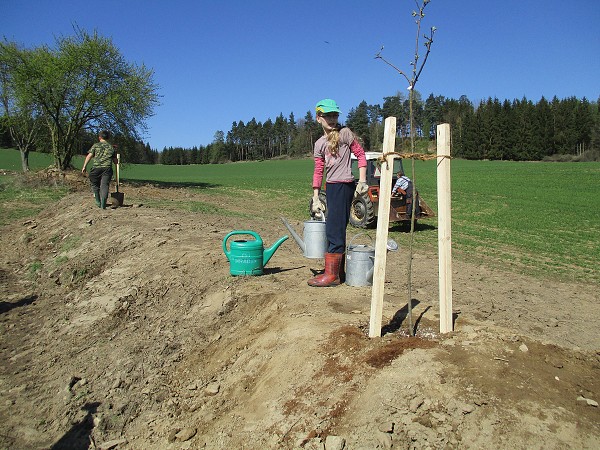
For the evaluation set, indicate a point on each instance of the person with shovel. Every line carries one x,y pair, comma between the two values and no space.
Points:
104,155
332,152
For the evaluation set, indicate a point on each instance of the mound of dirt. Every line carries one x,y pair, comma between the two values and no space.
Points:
124,329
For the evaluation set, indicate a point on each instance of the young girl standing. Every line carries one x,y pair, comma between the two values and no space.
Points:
332,152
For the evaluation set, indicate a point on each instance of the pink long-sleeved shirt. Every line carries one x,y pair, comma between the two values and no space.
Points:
339,167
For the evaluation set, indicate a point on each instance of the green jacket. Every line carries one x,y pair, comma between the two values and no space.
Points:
103,154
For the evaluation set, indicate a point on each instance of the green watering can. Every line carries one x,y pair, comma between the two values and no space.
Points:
248,257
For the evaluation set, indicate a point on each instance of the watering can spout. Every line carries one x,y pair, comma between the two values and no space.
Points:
297,238
370,272
269,251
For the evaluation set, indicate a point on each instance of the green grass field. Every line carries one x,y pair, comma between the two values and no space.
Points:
537,218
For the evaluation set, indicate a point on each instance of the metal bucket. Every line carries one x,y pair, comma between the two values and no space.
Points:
360,262
315,239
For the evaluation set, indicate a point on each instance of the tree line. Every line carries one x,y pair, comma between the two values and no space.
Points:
518,130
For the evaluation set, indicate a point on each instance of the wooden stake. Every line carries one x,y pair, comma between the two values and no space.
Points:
383,221
444,227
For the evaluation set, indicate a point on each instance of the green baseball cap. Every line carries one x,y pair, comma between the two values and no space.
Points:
327,106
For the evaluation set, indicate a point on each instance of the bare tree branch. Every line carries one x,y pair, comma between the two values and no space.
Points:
412,81
378,56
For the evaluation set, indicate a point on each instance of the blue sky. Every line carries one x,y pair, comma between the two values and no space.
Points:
219,62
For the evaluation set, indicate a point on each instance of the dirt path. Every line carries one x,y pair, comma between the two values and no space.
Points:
132,335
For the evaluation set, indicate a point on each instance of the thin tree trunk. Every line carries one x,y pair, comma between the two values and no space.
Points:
25,160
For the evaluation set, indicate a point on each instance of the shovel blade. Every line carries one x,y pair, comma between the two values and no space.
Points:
117,199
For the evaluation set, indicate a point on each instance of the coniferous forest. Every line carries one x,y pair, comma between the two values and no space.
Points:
518,130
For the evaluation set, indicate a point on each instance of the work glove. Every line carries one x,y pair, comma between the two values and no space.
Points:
317,206
361,188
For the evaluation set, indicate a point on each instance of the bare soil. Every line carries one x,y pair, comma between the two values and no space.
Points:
124,329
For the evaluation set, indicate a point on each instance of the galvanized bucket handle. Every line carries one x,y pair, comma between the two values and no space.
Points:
360,234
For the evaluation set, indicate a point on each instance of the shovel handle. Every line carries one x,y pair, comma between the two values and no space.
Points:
118,167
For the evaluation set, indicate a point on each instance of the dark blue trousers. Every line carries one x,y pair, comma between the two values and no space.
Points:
339,201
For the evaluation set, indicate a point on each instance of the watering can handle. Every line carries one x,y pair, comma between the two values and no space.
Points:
359,234
251,233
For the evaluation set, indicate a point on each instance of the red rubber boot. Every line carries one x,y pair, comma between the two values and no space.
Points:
331,277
